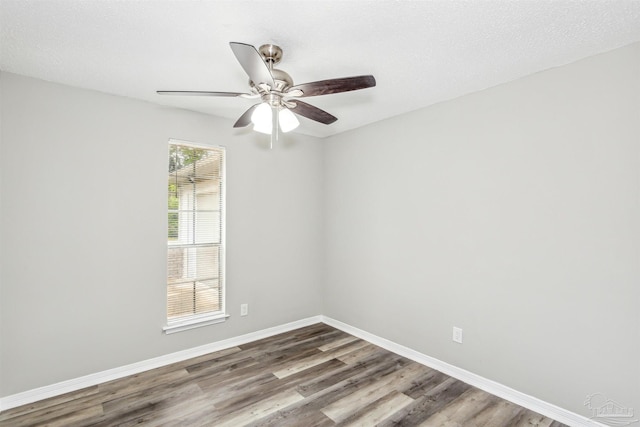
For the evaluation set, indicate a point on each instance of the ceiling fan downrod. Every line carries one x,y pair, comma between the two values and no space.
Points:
272,54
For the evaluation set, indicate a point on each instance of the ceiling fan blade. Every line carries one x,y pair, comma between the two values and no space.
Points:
344,84
245,118
253,64
198,93
313,113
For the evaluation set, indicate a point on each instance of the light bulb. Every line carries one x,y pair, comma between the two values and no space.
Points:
261,118
288,120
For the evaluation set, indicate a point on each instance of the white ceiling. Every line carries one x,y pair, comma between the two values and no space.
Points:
421,52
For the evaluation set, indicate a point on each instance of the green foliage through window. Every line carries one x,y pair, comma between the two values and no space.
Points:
173,216
179,158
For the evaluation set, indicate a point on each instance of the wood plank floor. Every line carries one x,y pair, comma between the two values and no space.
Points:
313,376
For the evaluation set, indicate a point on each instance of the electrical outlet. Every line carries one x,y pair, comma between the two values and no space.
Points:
457,335
244,309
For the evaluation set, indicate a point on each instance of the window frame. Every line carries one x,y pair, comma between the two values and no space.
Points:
198,320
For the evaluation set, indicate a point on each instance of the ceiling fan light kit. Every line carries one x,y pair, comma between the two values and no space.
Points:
278,95
262,119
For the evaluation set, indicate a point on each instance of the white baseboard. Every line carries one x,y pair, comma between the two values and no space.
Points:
497,389
75,384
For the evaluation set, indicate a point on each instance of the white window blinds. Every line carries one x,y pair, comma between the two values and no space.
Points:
195,287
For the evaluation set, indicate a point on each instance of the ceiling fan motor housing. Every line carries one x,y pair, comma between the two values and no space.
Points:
283,80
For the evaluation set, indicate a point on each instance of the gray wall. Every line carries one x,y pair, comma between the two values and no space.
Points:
83,223
513,213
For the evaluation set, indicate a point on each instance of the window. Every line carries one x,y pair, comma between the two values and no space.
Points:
195,236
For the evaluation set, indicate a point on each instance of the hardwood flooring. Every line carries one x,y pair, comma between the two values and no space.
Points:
313,376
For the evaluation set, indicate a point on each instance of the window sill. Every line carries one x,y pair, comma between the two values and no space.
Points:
193,322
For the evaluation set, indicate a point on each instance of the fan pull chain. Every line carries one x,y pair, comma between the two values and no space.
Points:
275,115
275,125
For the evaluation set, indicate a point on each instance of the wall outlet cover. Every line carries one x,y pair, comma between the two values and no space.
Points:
457,335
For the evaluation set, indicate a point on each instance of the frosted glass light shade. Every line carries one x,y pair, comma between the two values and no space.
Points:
261,118
288,120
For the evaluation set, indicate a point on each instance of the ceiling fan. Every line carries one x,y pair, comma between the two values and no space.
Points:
279,96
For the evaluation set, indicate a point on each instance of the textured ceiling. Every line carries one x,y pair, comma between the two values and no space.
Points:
421,52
